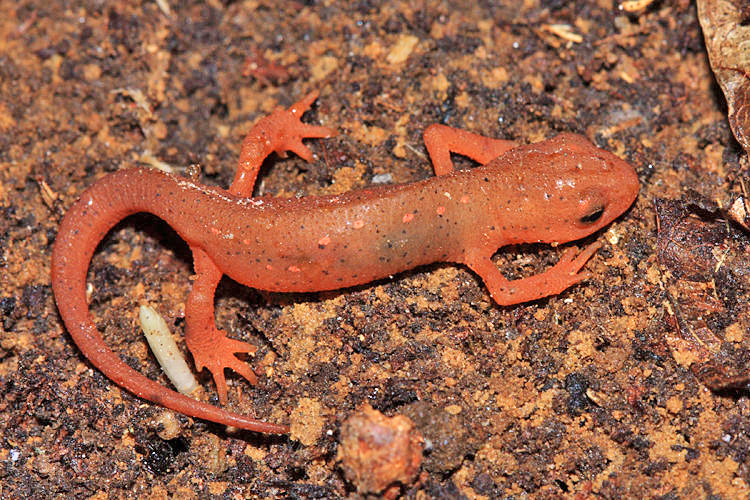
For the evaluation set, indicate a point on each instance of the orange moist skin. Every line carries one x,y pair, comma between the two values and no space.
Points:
554,191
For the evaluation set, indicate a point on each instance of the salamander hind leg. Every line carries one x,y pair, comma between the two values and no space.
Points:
209,346
441,141
564,274
217,352
281,131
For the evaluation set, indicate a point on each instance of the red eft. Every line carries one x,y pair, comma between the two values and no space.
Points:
554,191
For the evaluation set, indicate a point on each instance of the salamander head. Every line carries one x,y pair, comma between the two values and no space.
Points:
571,188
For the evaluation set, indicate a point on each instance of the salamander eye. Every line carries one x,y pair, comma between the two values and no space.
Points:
591,207
593,215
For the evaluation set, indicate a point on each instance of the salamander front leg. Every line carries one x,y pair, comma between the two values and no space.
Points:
441,141
551,282
209,346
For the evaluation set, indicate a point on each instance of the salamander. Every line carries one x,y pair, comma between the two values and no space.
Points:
554,191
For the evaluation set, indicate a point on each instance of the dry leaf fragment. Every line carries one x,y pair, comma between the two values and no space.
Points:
706,278
727,36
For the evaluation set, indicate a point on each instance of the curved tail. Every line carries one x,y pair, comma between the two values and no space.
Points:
102,206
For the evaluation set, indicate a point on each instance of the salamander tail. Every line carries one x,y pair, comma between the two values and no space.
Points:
85,224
